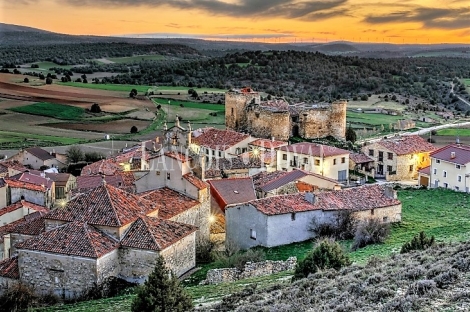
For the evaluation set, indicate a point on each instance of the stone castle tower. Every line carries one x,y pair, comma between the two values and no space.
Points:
244,111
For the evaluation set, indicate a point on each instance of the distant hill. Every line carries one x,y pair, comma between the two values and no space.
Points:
18,28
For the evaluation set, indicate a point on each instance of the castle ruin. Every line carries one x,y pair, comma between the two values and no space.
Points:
245,112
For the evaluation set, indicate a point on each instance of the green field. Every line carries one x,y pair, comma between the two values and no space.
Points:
466,82
136,58
47,65
140,89
454,132
47,109
363,119
26,139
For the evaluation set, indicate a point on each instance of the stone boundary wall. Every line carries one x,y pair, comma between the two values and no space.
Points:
251,269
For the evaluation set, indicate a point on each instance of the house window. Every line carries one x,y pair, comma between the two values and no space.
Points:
237,150
438,161
343,160
213,153
457,166
207,151
168,176
411,168
305,160
390,156
381,156
459,178
334,161
284,156
157,172
434,171
292,216
389,169
317,162
220,154
232,111
444,173
252,234
372,212
446,185
371,152
385,219
59,192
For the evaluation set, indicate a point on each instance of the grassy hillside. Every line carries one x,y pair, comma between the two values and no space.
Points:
58,111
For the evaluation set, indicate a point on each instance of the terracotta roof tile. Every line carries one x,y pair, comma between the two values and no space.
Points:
104,166
8,227
358,198
40,153
270,181
104,205
178,156
33,177
75,239
20,204
25,185
232,191
407,144
12,164
169,202
219,139
304,187
360,158
155,233
9,268
91,181
457,154
268,144
60,179
425,170
312,149
198,183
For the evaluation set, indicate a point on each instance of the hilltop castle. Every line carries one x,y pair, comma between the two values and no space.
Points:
244,111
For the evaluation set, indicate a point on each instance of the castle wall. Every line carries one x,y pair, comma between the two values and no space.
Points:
235,103
266,124
322,122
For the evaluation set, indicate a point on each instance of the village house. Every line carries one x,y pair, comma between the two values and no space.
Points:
120,179
64,183
450,168
237,167
265,150
399,158
361,163
11,168
404,124
324,160
38,158
285,219
290,182
33,187
230,191
4,198
103,233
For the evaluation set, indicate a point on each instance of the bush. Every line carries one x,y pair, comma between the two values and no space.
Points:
26,80
134,129
328,254
95,108
234,258
74,154
161,292
93,156
419,242
17,298
343,228
370,232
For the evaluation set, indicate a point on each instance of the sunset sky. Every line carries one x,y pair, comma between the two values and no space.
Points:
399,21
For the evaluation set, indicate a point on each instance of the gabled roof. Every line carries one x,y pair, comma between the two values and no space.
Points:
270,181
33,177
169,202
92,181
104,166
455,153
232,191
33,225
198,183
12,164
360,158
40,153
74,239
407,144
425,170
155,233
104,205
268,144
219,139
313,149
9,268
178,156
25,185
20,204
60,179
358,198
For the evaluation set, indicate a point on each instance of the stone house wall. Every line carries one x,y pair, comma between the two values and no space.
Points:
197,216
136,264
6,283
107,265
35,197
235,103
11,240
3,197
385,214
321,122
180,257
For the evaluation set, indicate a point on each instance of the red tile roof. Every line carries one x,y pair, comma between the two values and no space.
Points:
268,144
169,202
25,185
9,268
460,156
33,177
178,156
313,149
215,167
232,191
198,183
13,164
40,153
270,181
219,139
359,198
105,205
104,166
20,204
7,228
304,187
33,225
74,239
407,144
425,170
92,181
60,179
155,233
360,158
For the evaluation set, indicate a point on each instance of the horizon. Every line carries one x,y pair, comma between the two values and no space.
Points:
276,21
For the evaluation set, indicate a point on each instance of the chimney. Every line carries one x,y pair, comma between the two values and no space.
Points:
310,197
390,192
452,155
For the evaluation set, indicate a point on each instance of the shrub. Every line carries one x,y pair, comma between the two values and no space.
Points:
161,292
93,156
17,298
134,129
326,255
343,228
351,135
419,242
237,259
422,287
95,108
74,154
26,80
370,232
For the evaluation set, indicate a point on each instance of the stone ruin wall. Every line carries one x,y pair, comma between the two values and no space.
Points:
266,124
251,269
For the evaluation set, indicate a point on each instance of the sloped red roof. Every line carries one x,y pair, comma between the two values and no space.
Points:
358,198
304,187
60,179
155,233
407,144
104,166
219,139
9,268
33,177
20,204
74,239
178,156
104,205
40,153
460,156
13,164
232,191
313,149
198,183
25,185
169,202
33,225
425,170
268,144
360,158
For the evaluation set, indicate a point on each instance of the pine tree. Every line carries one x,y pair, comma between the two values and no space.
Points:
161,292
351,135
